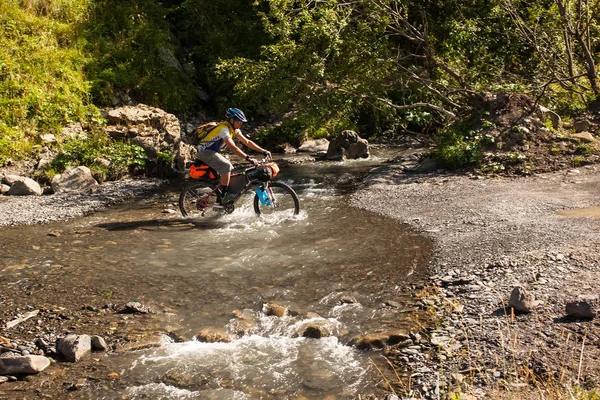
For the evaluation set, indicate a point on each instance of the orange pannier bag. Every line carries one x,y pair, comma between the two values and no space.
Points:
198,171
274,168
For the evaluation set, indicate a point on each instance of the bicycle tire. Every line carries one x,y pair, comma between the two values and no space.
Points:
198,200
286,201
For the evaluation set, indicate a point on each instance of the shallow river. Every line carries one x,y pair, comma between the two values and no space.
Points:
333,265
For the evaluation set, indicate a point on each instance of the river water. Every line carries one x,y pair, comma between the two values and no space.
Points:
332,266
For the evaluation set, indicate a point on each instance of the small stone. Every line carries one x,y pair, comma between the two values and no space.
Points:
583,307
521,300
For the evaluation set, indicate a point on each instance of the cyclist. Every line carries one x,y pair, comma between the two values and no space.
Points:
223,135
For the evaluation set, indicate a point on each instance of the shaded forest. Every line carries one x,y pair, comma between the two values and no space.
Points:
316,67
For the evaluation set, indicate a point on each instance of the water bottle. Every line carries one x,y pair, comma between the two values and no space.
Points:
263,196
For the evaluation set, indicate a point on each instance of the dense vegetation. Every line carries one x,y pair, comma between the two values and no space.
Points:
379,66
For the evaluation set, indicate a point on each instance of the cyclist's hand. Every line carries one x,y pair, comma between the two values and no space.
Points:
267,154
254,161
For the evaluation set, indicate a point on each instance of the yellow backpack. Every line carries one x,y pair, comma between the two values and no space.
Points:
196,137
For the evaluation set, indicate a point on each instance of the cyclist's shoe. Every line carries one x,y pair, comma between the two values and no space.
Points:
227,199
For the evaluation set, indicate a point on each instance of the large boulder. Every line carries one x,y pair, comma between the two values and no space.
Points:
24,187
153,129
18,365
347,145
74,180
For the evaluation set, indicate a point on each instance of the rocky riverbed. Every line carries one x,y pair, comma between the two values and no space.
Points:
540,234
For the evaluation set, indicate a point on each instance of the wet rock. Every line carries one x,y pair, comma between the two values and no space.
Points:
213,335
348,300
380,340
73,347
392,304
272,308
145,343
134,307
585,307
179,379
242,326
347,145
522,300
316,329
23,365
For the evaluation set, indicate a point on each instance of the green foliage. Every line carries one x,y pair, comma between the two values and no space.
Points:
458,146
165,156
123,157
584,149
132,52
63,10
321,66
42,83
323,61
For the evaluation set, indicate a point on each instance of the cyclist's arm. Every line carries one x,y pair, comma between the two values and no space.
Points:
249,143
231,145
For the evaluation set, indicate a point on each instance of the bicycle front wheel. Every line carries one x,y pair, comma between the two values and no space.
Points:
199,200
282,201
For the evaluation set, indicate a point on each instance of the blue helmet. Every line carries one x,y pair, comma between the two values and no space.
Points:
236,114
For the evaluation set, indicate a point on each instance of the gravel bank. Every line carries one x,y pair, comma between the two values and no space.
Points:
491,236
31,210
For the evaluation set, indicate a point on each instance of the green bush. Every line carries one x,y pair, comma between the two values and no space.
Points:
457,154
124,158
458,146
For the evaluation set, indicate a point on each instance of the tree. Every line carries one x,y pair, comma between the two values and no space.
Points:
564,35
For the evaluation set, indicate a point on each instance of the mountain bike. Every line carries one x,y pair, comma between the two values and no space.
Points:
204,198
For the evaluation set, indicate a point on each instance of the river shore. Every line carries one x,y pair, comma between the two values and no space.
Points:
31,210
541,233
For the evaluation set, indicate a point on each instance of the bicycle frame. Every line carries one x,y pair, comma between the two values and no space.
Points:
248,183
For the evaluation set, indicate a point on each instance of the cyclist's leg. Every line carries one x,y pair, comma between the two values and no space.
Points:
217,162
220,164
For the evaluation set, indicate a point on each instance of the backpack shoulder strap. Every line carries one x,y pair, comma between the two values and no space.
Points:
232,131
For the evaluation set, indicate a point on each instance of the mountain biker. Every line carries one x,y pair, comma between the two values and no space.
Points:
222,135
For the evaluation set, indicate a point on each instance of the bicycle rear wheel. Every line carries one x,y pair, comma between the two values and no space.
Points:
283,202
199,200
